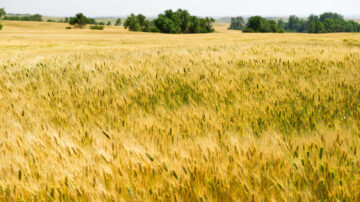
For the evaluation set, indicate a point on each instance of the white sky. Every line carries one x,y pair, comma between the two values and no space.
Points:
216,8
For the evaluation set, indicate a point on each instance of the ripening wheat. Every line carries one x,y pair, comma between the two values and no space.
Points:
112,115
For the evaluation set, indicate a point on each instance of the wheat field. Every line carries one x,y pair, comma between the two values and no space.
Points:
119,116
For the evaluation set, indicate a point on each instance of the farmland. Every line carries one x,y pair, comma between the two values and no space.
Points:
228,116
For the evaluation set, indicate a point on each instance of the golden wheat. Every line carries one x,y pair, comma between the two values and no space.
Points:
112,115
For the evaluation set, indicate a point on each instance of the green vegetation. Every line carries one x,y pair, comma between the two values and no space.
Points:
237,23
137,23
36,17
325,23
2,13
260,24
97,27
176,22
118,22
79,21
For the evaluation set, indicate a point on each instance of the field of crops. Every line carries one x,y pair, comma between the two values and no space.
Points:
90,115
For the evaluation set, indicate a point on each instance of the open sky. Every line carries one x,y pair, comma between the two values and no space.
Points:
216,8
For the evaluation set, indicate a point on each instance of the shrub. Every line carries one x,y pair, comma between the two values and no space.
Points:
281,30
1,26
68,27
97,27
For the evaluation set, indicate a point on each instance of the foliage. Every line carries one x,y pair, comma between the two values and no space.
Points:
315,25
108,23
137,23
181,21
118,22
68,27
260,24
325,23
36,17
237,23
91,21
176,22
2,12
79,21
97,27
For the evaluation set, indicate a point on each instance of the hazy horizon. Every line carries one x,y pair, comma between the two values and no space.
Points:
225,8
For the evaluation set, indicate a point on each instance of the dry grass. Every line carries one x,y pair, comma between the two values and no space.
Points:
112,115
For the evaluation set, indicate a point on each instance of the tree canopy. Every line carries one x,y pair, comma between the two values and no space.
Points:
118,22
237,23
170,21
2,12
80,20
260,24
325,23
36,17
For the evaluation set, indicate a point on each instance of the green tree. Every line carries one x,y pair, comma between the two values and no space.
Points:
316,26
79,20
108,23
282,24
132,22
181,21
257,24
118,22
176,22
91,21
2,12
237,23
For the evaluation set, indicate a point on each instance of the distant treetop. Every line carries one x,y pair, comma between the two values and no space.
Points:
170,21
325,23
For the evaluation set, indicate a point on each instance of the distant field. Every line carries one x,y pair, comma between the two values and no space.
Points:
115,115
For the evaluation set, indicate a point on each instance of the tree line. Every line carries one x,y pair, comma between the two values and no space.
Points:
36,17
80,21
325,23
170,21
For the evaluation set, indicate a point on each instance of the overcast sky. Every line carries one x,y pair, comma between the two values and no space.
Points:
216,8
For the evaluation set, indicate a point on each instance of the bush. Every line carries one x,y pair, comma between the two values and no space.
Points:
248,30
97,27
1,26
67,27
281,30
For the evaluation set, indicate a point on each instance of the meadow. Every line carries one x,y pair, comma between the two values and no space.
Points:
112,115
